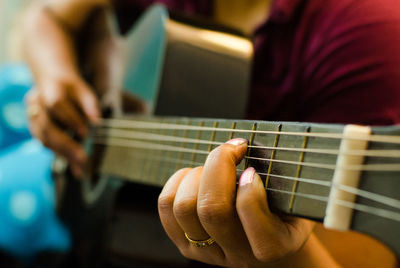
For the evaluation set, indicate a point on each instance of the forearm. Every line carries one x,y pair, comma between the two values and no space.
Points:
49,48
50,29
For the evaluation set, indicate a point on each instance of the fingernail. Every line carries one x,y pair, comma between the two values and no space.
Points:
247,176
237,141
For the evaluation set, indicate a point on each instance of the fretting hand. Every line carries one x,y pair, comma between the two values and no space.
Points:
233,227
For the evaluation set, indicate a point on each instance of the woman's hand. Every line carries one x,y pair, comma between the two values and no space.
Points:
204,202
60,110
63,105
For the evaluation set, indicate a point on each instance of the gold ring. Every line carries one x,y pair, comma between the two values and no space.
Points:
33,110
200,243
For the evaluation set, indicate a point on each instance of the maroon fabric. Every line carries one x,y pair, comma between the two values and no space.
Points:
319,60
329,61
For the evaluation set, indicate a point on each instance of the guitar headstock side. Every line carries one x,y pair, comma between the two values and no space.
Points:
385,184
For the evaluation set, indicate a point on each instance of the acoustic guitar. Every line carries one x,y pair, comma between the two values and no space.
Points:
345,176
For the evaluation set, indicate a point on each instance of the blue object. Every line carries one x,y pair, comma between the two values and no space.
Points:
29,223
15,81
28,220
147,45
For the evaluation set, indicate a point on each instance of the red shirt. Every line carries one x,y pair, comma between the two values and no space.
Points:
318,60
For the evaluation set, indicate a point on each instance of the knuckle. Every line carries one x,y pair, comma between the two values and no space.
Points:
185,208
165,202
214,212
53,103
261,255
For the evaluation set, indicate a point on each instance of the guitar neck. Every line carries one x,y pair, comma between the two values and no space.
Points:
298,162
287,155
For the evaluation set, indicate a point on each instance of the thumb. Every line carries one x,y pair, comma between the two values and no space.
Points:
87,101
259,223
251,197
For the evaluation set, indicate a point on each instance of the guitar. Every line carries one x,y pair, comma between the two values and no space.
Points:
343,176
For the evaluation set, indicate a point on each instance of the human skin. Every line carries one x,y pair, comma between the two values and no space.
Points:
60,91
203,202
69,102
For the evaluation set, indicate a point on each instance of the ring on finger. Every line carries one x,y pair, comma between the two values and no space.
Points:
200,243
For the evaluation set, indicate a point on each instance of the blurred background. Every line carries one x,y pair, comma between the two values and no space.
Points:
27,199
10,12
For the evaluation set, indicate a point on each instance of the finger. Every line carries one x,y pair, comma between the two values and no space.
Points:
61,108
165,208
52,137
185,212
69,116
217,193
87,101
185,205
259,223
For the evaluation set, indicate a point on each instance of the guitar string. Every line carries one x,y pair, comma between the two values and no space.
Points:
369,195
133,134
364,208
360,207
125,123
157,146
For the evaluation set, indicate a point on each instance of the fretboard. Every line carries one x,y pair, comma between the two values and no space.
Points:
296,160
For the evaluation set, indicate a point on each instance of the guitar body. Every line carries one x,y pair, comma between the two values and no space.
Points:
183,68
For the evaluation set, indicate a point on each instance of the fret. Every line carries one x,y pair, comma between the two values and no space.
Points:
212,138
121,160
192,134
157,166
253,128
272,156
245,135
204,136
221,137
166,173
298,172
144,158
147,166
305,206
196,145
131,157
182,145
232,127
278,200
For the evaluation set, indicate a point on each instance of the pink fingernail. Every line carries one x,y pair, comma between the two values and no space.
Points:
247,176
237,141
